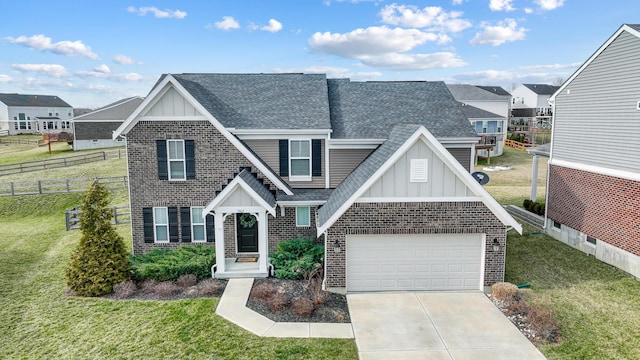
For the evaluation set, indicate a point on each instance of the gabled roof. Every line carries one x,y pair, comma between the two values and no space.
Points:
376,164
472,112
542,89
262,101
633,29
368,110
32,100
248,183
495,90
465,92
118,111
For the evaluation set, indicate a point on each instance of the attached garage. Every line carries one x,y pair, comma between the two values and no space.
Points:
414,262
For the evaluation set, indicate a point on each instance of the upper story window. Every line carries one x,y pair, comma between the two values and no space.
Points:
176,159
300,159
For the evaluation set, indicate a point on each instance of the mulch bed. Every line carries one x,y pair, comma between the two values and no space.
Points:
538,326
334,310
148,290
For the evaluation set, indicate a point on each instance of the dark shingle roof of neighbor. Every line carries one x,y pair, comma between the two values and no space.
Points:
366,169
306,195
495,90
370,109
262,101
465,92
32,100
634,26
472,112
542,89
258,187
118,111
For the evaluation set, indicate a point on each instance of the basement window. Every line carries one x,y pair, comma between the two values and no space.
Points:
556,226
591,240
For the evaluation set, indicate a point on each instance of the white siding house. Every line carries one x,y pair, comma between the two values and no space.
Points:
34,114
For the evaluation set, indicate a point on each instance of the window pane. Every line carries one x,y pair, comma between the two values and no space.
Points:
198,233
302,216
176,169
479,127
160,216
493,125
300,167
176,150
196,215
300,148
162,233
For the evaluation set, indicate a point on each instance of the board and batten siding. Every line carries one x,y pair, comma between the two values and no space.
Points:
596,117
172,104
342,163
441,181
269,152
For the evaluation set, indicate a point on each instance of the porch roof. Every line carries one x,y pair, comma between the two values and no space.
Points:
247,183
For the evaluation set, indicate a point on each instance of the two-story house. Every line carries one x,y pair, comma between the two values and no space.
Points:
593,191
378,172
34,114
531,113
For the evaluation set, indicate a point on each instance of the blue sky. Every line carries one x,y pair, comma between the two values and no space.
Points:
92,53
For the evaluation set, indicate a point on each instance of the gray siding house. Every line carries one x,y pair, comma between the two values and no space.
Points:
378,172
594,169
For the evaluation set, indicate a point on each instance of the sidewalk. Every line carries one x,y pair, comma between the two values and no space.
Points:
232,306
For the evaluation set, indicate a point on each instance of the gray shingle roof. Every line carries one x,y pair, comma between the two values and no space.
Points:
258,187
32,100
119,110
634,26
366,169
542,89
305,195
262,101
495,90
464,92
472,112
371,109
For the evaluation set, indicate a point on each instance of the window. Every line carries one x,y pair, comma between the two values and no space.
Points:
418,170
493,127
500,123
23,124
591,240
198,228
161,224
557,226
300,159
303,216
479,127
176,159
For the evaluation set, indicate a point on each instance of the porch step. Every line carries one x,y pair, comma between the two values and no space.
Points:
240,274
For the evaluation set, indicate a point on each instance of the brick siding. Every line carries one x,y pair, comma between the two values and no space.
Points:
284,227
601,206
417,218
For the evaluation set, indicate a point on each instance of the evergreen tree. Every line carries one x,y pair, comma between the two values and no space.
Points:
100,260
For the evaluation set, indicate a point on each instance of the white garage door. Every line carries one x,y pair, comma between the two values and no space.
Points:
414,262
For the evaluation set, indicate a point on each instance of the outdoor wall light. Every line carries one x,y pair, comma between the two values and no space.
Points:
496,245
336,246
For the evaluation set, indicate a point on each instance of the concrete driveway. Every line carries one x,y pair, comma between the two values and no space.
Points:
440,325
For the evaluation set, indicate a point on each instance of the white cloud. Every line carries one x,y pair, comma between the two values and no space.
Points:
396,61
502,32
53,70
160,14
5,78
457,2
43,43
102,69
528,10
369,41
551,66
332,72
274,26
227,23
120,77
501,5
506,78
431,17
125,60
549,4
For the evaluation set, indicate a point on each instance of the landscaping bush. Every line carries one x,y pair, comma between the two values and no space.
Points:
295,259
534,207
504,291
166,289
186,281
166,264
301,306
263,291
278,302
148,286
124,289
210,287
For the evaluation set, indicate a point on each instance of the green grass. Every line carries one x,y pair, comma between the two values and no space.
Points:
12,153
596,305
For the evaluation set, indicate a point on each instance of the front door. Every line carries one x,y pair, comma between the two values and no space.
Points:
247,226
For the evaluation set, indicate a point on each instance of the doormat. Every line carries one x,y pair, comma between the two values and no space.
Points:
247,259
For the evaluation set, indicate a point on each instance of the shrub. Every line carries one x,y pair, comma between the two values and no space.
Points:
314,284
278,302
166,289
301,306
543,323
263,291
187,280
124,289
210,287
504,291
100,259
166,264
148,286
534,206
294,259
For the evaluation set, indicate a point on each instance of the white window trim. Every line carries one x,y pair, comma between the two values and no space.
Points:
203,224
184,161
300,177
553,226
155,225
308,219
588,243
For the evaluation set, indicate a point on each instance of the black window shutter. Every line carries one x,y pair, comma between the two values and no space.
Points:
211,232
163,169
190,157
185,223
147,221
173,224
284,157
316,157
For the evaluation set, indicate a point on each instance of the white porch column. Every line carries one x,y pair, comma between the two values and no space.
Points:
218,224
534,178
263,241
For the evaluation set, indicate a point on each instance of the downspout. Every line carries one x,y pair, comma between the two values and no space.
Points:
552,102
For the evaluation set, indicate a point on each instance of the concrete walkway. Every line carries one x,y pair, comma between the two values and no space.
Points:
439,325
232,306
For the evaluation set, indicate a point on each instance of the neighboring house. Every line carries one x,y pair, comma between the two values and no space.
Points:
378,172
487,108
34,114
593,191
531,113
95,129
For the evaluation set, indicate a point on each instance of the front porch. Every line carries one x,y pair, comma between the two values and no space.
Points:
239,269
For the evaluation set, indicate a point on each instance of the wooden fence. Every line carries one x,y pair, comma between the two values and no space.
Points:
517,145
121,215
11,140
16,168
57,186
